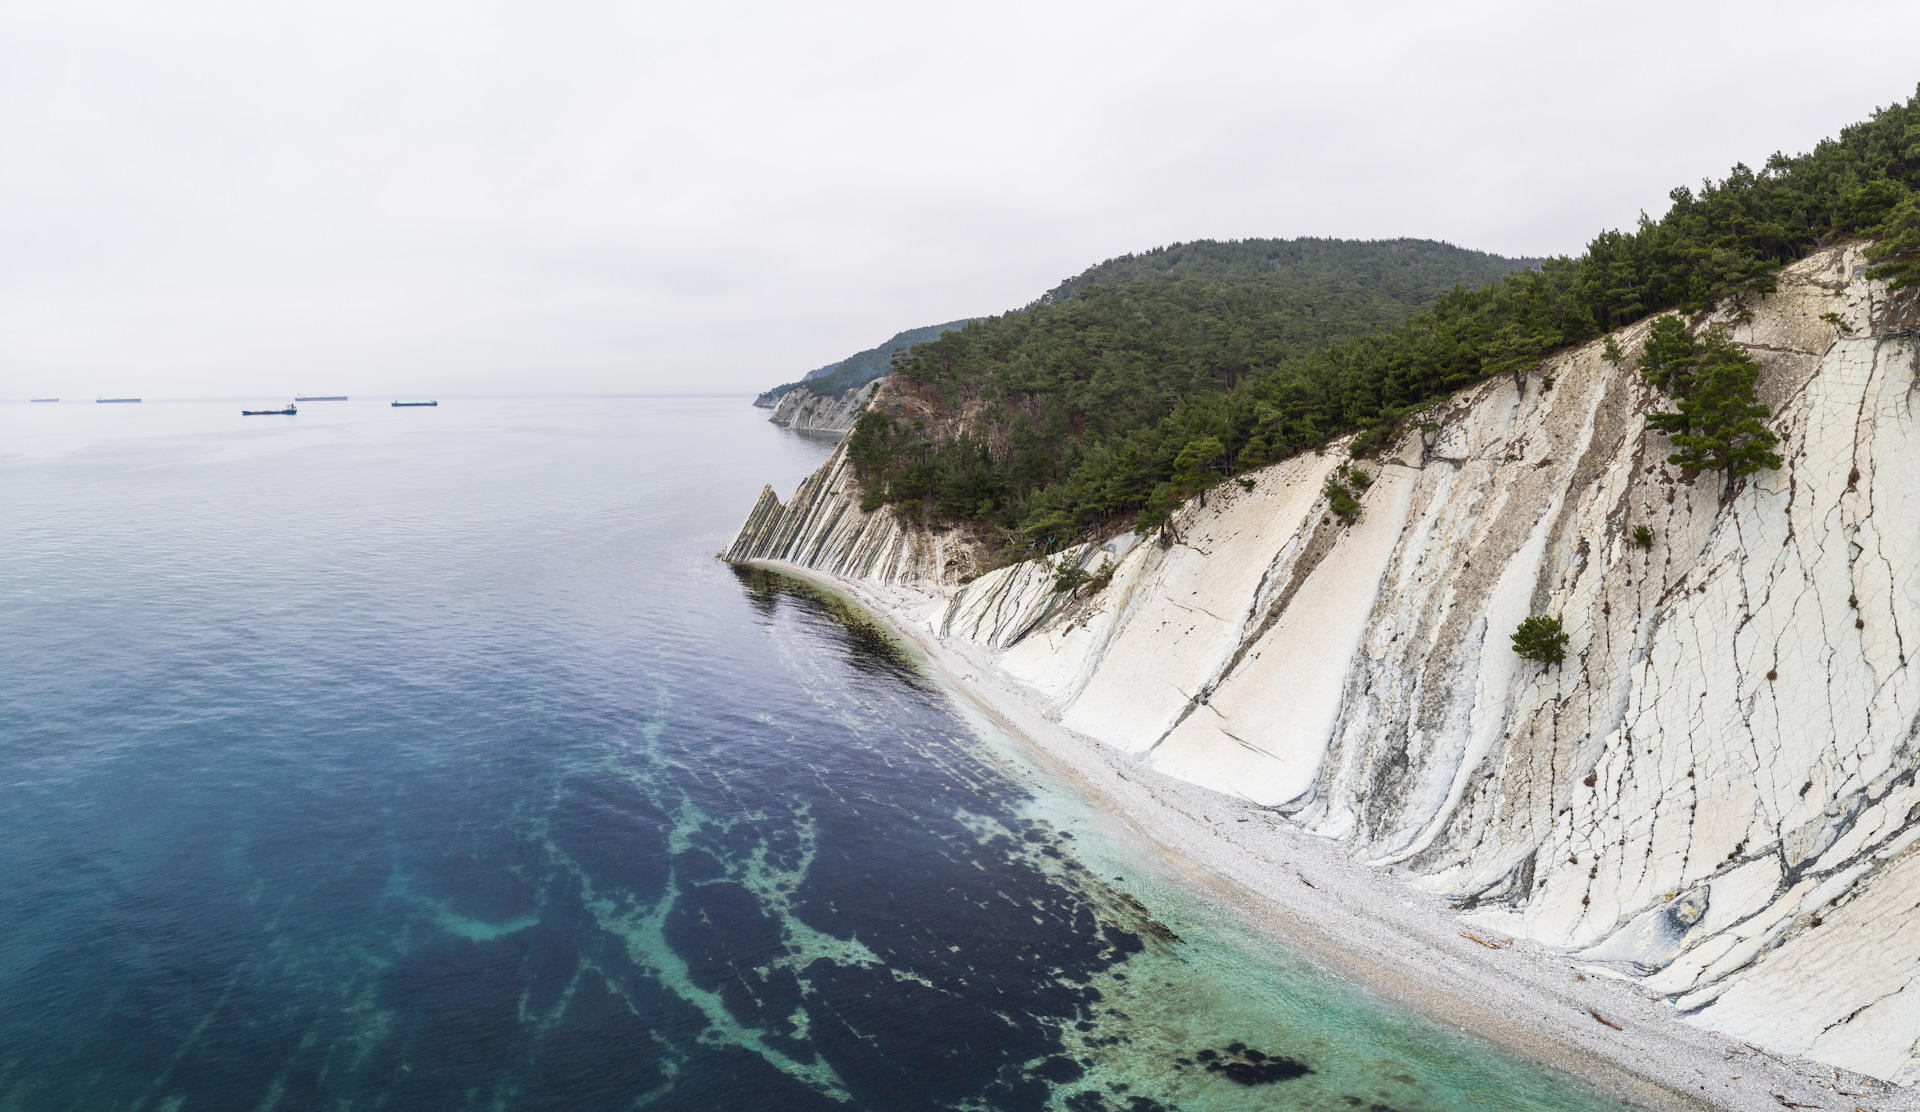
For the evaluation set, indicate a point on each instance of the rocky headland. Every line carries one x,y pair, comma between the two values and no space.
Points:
801,408
1708,807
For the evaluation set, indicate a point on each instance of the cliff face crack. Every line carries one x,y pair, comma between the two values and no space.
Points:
1319,543
1716,786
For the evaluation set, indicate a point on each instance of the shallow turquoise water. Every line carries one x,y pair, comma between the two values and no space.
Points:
420,759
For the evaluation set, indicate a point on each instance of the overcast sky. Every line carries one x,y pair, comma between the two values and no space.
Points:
249,198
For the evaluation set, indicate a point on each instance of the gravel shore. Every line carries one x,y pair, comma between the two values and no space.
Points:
1371,927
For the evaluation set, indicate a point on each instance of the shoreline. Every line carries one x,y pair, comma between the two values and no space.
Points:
1368,926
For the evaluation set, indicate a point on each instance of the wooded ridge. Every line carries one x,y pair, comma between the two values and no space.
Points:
1125,389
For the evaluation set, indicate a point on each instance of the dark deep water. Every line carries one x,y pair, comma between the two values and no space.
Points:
427,759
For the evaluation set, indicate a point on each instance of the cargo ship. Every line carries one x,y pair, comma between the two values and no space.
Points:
287,412
398,405
328,398
115,401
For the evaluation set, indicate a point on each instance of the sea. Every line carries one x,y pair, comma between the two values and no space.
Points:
376,758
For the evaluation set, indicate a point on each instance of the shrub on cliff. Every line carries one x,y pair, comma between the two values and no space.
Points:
1539,638
1341,497
1070,577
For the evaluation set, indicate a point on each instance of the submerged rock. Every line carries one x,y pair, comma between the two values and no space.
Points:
1244,1065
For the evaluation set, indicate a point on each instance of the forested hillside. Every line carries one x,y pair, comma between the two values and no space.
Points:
859,369
1126,389
1118,349
1303,292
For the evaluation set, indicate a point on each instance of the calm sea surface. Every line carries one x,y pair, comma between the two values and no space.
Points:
428,759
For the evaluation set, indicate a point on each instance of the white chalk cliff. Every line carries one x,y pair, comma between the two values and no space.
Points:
823,527
1714,794
801,408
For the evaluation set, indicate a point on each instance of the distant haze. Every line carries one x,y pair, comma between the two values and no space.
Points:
204,198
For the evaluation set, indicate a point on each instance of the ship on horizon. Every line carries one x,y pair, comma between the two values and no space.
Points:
326,398
114,401
400,405
43,399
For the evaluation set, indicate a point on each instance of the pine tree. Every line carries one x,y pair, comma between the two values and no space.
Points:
1623,291
1899,245
1540,638
1667,358
1194,467
1719,426
1515,350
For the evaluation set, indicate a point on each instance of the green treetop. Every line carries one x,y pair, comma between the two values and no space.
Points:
1193,468
1899,245
1667,358
1541,638
1718,426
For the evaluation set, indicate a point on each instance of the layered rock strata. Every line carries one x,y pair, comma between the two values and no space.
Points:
823,527
1713,794
801,408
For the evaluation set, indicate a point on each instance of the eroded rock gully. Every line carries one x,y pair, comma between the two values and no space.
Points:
1714,794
